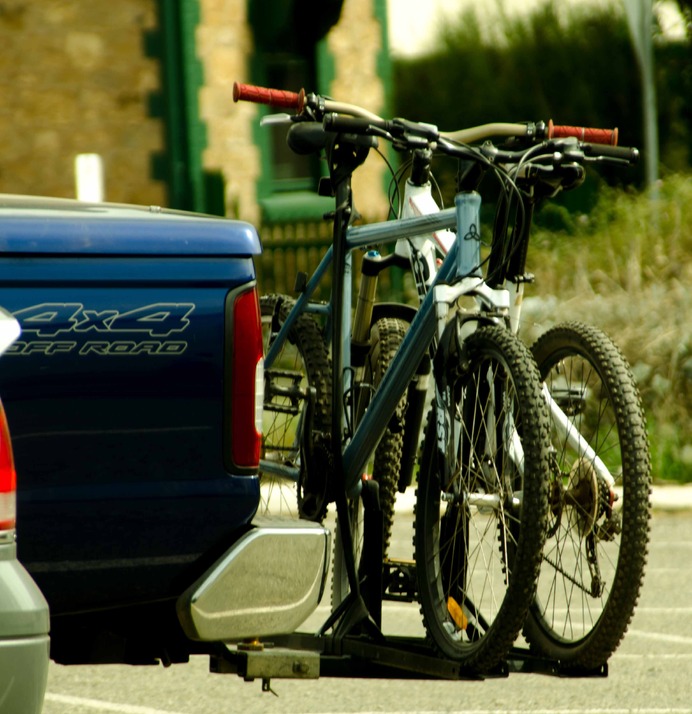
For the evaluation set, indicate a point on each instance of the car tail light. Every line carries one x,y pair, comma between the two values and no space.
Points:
247,383
8,477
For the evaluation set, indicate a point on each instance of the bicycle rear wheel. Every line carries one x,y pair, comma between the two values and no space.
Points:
479,528
386,336
297,413
595,554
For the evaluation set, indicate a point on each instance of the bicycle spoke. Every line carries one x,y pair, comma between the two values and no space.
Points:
475,574
587,561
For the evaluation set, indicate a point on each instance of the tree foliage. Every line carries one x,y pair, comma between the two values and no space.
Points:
574,65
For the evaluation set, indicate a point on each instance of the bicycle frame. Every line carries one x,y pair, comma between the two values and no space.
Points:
451,281
487,393
418,201
431,231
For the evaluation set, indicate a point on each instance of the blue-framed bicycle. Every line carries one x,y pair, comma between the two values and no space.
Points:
482,512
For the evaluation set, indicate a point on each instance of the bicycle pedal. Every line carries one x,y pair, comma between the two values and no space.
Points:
400,580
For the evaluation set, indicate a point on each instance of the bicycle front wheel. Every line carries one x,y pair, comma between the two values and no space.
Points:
480,527
598,532
297,413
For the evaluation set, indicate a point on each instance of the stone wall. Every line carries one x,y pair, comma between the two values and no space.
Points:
355,60
224,42
74,79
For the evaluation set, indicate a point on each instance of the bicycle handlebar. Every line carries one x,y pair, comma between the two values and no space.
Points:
295,100
274,97
606,139
350,118
586,134
621,153
560,141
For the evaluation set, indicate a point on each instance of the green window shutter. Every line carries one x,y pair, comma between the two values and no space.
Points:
190,187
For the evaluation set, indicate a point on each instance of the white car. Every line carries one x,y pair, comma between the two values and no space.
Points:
24,620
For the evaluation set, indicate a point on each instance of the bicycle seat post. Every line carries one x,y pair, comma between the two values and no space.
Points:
344,158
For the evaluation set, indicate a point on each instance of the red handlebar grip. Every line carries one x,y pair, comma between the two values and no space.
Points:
592,136
262,95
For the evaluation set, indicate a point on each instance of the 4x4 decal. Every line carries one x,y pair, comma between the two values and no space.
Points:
65,320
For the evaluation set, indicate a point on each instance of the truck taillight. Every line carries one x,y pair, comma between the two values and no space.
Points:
248,381
8,477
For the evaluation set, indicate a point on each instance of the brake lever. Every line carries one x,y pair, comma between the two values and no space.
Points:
276,119
608,160
408,142
419,130
570,155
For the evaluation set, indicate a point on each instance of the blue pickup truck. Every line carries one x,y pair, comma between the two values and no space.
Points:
134,397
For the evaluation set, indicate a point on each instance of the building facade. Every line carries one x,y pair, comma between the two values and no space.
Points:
147,85
75,79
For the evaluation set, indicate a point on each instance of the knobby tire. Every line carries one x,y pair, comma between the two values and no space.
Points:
303,364
385,337
477,566
577,618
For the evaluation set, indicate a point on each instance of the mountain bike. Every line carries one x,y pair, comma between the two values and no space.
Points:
596,550
535,158
473,606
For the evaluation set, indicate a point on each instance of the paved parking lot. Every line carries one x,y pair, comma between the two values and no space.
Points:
651,672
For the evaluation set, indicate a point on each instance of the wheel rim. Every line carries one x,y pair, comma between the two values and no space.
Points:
479,511
280,447
583,548
480,527
286,387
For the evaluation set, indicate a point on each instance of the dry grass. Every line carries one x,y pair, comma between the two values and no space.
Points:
628,269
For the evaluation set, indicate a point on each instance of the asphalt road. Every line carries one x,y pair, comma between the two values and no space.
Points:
651,671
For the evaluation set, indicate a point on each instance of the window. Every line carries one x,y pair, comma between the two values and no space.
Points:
286,34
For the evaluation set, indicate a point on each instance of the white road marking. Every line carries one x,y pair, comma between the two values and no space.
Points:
654,656
103,706
660,636
114,708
